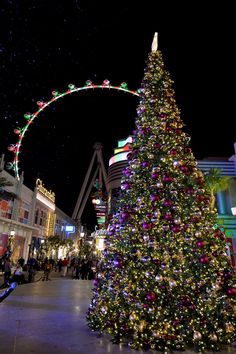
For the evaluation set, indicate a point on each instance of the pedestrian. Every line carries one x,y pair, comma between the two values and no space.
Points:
64,267
47,267
7,269
59,263
32,267
18,275
21,261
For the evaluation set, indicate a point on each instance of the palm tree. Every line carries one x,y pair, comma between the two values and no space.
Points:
4,182
216,183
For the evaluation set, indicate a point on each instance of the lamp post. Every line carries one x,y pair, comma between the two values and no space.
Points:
10,242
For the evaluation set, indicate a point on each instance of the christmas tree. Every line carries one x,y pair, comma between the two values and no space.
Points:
167,282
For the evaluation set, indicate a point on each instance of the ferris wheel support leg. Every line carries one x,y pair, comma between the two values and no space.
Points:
79,200
87,194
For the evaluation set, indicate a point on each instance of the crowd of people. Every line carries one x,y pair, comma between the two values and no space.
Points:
75,267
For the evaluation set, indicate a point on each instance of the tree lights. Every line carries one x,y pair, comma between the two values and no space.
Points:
167,283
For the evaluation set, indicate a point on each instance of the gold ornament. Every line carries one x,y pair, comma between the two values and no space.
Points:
229,327
142,325
213,337
197,336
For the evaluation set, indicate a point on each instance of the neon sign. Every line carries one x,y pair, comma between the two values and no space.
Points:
40,187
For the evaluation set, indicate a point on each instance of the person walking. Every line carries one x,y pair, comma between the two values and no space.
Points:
59,264
47,268
64,267
7,269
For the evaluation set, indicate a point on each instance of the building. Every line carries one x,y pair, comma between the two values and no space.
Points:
225,201
28,218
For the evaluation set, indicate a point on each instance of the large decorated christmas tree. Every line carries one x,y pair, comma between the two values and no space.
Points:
167,282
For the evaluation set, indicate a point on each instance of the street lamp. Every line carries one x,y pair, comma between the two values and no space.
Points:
10,242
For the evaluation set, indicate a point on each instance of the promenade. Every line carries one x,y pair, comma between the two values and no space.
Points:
49,318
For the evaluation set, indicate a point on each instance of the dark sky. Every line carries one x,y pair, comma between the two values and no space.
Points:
46,45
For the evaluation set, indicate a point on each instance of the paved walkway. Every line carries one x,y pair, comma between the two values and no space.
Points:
49,318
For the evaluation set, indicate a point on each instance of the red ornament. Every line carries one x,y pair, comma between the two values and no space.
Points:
167,179
175,228
151,296
173,152
200,198
157,146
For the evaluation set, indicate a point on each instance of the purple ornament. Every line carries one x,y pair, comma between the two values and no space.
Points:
154,175
125,215
167,203
154,197
125,186
146,226
144,163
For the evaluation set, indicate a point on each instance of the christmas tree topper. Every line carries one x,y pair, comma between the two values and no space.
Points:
155,43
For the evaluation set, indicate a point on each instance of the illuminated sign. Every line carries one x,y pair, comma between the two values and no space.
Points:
119,157
40,187
70,228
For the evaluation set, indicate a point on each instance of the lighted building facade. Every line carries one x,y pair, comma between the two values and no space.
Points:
225,201
28,218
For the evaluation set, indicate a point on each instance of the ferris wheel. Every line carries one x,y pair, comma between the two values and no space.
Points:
42,106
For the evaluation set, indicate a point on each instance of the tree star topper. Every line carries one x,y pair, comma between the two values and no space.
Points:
155,43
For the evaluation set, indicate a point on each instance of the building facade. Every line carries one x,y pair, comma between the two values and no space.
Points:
28,218
225,201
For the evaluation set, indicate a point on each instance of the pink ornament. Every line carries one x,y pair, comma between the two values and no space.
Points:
204,259
175,228
168,216
167,203
167,179
146,226
231,291
200,243
173,152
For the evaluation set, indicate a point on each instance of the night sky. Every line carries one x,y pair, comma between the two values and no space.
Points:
46,45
